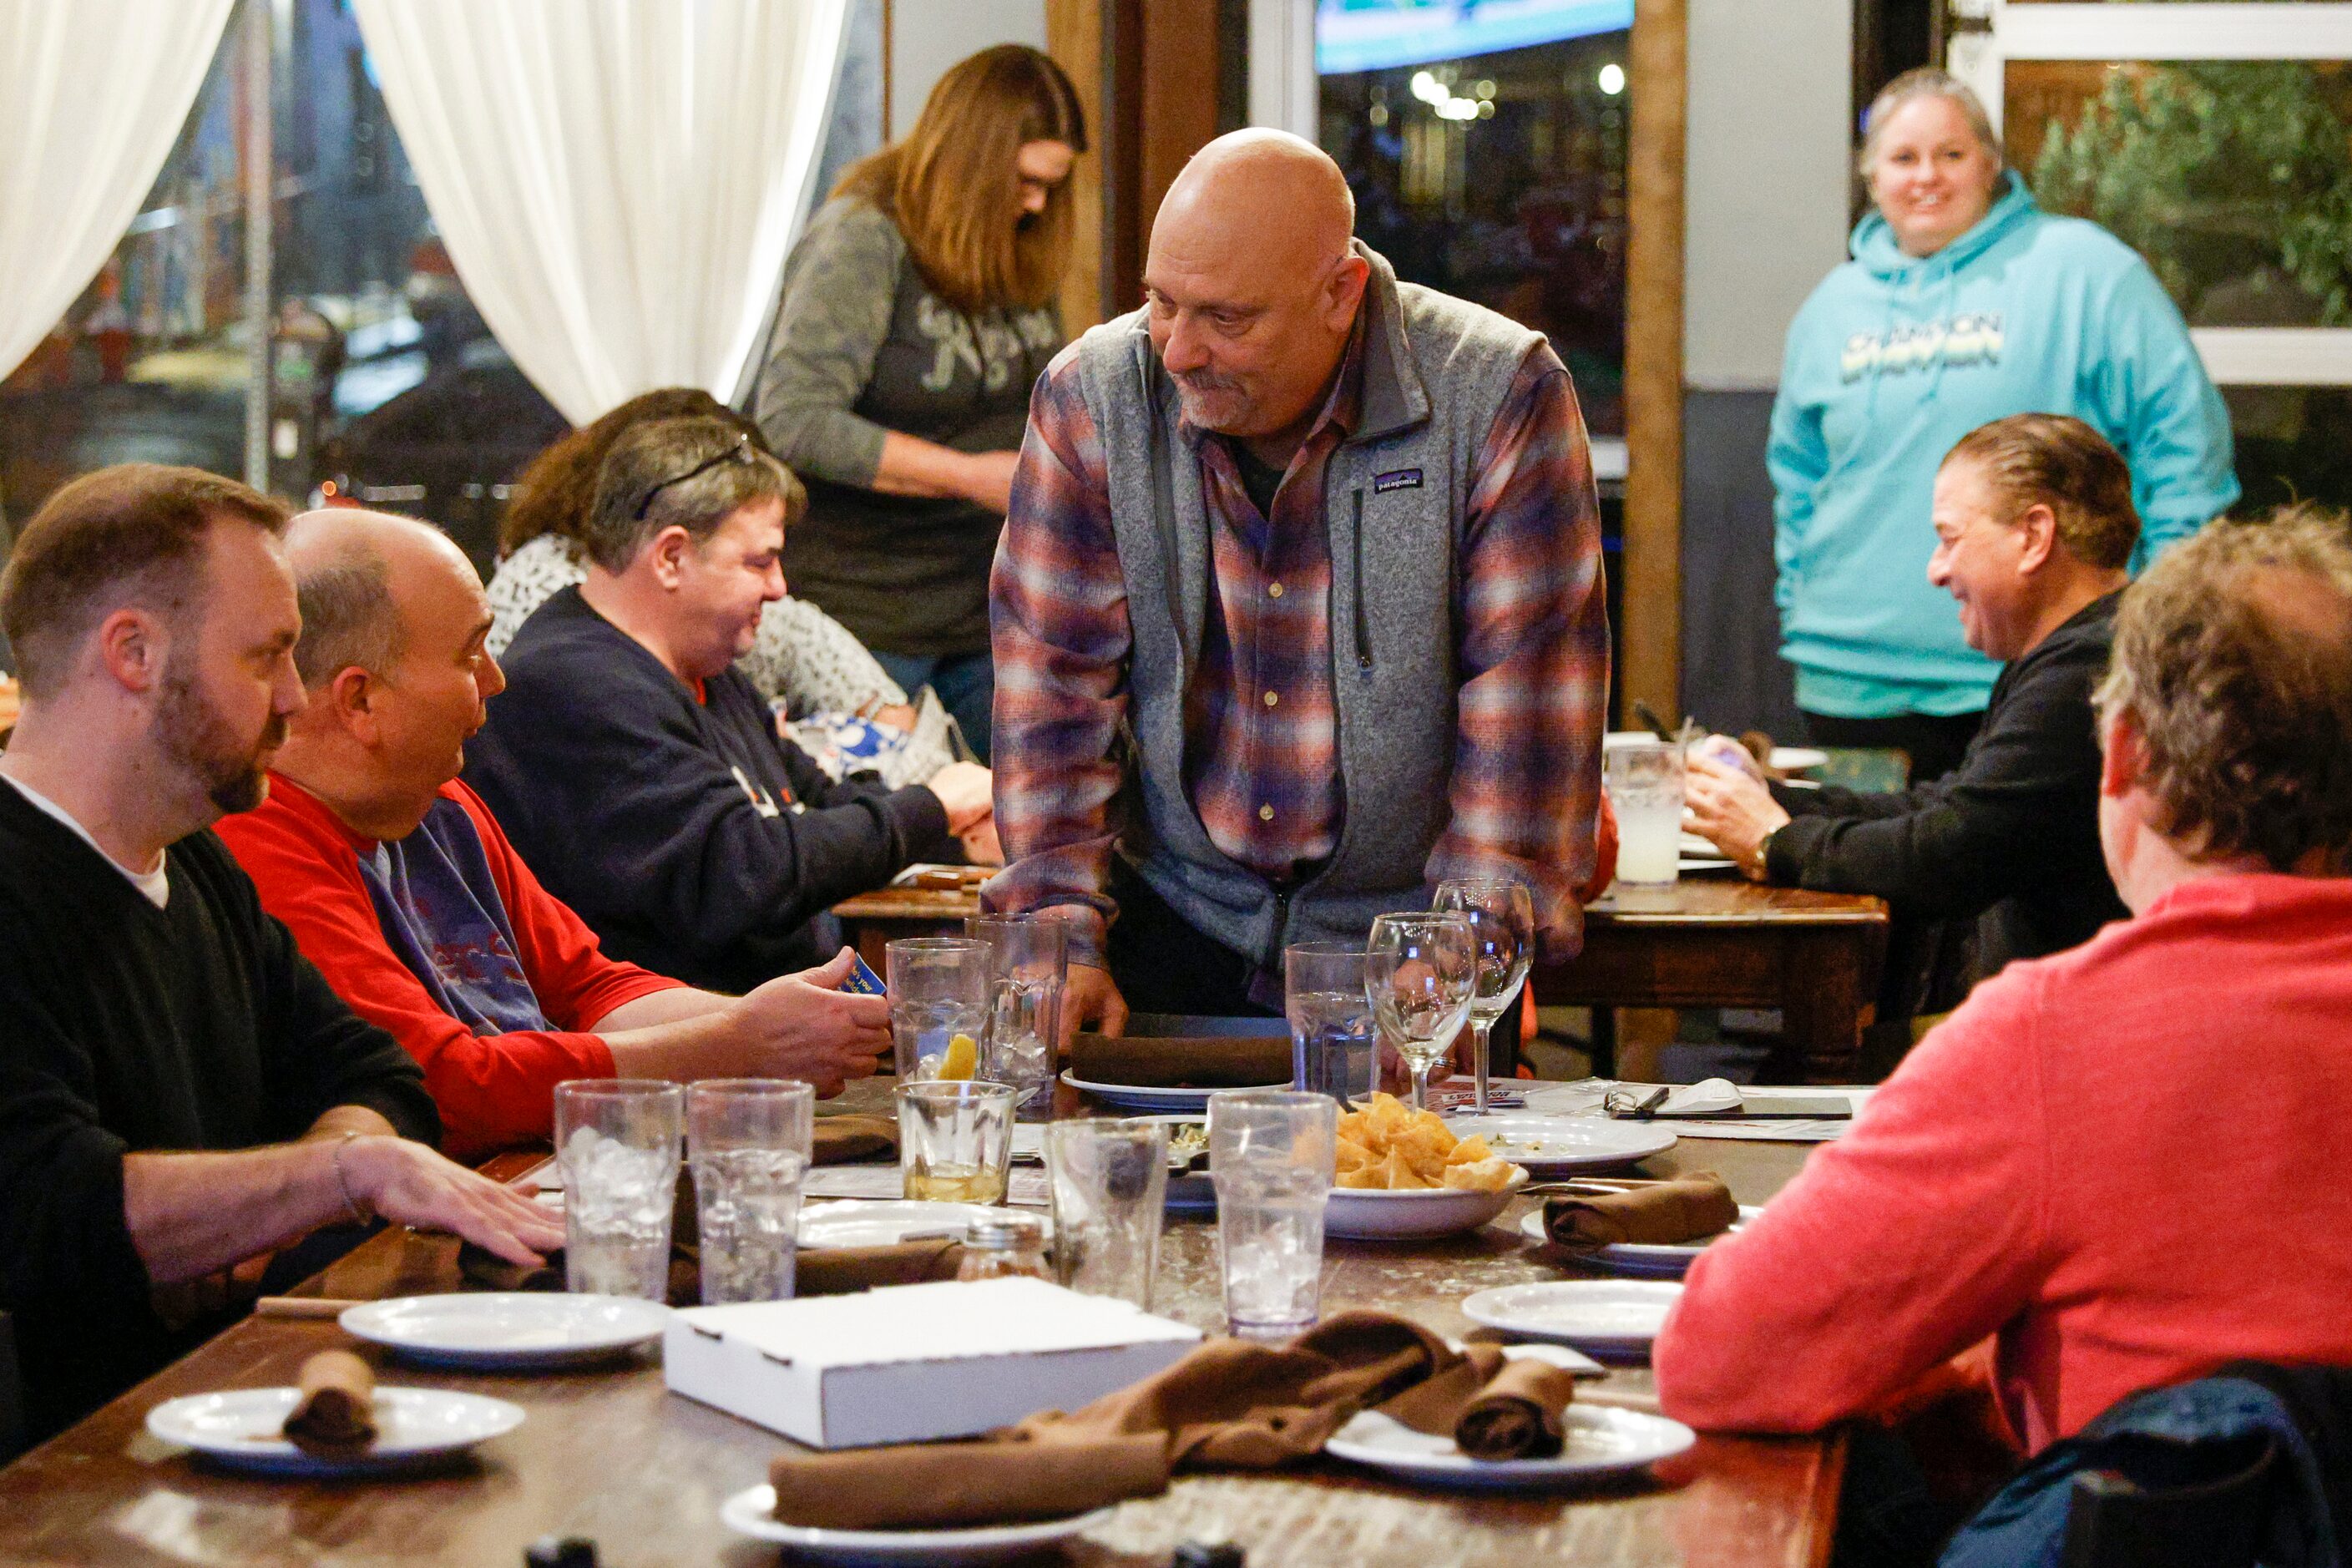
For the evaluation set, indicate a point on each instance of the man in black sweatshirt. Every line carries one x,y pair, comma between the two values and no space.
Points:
640,775
2035,524
180,1092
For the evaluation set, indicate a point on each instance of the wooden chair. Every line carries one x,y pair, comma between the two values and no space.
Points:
2213,1521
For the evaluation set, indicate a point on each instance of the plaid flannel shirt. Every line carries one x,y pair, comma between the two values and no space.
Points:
1532,658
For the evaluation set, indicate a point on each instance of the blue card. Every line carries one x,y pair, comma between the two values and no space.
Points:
861,981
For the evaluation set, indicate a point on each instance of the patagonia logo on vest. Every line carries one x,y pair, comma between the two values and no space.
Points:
1963,339
1396,479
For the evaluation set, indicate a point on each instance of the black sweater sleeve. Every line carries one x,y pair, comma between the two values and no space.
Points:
1957,846
635,818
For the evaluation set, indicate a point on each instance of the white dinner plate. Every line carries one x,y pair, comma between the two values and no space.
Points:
1374,1214
1599,1441
1149,1097
1599,1317
246,1427
514,1330
886,1222
1795,759
1563,1145
1641,1260
753,1512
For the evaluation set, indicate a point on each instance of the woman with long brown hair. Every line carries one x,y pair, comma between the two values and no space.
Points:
917,311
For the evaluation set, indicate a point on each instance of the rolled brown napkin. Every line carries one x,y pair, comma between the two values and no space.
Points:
1228,1406
1518,1415
336,1414
840,1270
843,1139
1203,1061
939,1486
1493,1407
1685,1209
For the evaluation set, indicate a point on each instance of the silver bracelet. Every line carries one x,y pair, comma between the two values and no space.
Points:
361,1213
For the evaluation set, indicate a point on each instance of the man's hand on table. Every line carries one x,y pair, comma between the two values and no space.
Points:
411,1184
1732,810
966,791
803,1026
1089,995
981,845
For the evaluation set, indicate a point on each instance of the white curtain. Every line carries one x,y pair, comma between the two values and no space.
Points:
92,95
617,181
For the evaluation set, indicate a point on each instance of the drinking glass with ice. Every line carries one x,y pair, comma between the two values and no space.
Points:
748,1141
618,1141
1270,1154
1028,964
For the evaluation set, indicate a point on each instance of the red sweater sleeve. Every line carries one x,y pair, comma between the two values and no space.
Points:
492,1091
1918,1234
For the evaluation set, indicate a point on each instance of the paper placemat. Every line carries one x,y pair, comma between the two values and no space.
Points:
1583,1099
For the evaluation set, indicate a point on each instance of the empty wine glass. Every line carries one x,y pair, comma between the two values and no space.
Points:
1502,917
1419,974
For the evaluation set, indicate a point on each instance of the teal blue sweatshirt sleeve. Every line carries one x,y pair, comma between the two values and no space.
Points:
1798,459
2151,384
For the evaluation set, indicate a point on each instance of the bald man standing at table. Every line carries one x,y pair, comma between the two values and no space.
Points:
1298,608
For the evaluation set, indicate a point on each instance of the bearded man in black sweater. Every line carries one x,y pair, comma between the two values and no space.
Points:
180,1094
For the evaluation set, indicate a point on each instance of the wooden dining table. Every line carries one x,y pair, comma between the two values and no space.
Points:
608,1454
1702,941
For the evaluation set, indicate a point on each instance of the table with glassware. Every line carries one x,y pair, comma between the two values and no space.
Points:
607,1452
1701,942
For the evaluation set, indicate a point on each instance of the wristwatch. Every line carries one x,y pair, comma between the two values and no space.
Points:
1755,869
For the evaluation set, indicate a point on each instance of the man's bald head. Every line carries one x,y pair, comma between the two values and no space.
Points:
1278,195
392,655
355,572
1253,286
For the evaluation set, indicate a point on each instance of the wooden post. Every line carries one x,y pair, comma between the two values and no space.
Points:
1659,83
1074,36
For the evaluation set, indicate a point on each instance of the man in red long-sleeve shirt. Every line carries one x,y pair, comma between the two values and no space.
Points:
398,884
2123,1161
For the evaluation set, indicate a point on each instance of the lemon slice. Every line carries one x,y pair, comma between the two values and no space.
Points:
962,1060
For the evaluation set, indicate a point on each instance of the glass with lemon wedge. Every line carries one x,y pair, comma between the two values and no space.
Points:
939,990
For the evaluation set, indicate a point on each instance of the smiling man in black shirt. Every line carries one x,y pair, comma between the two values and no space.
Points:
2034,523
181,1095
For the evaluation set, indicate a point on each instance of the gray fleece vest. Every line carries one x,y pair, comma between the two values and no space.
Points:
1436,371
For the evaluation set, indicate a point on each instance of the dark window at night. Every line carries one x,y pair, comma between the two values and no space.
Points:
1494,173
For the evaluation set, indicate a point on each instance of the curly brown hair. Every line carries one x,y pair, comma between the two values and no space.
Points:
555,493
2233,659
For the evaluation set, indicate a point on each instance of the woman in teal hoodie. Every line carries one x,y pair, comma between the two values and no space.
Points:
1964,302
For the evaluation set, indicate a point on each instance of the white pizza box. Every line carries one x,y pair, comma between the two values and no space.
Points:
910,1363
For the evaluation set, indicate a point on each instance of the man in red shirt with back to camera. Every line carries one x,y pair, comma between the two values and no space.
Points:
399,885
2123,1161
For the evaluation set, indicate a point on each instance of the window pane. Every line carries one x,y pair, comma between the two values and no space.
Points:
1500,177
385,381
2233,178
2294,443
148,362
